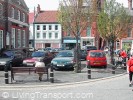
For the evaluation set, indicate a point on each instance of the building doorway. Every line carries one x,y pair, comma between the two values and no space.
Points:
47,45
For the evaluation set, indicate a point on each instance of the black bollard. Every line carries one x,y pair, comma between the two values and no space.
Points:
89,69
51,74
6,74
113,70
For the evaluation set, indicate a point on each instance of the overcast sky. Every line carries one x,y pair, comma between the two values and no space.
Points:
53,4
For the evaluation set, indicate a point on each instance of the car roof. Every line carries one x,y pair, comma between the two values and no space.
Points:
40,51
96,51
65,50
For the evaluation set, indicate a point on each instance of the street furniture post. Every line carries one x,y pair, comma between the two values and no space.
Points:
51,74
6,74
89,69
113,69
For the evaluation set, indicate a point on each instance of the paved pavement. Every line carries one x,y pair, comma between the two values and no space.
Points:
61,77
116,88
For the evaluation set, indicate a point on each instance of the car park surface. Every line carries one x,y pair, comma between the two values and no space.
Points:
64,60
97,58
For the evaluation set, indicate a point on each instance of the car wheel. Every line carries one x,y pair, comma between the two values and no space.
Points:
105,66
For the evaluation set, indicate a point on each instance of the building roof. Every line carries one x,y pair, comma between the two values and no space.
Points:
31,18
47,17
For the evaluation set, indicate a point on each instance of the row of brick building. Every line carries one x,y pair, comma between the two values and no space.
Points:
46,31
40,29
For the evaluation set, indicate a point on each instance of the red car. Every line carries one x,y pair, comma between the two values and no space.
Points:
97,58
43,55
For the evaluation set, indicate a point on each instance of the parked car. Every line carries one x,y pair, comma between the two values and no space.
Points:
11,58
48,49
64,60
88,48
83,54
37,55
97,58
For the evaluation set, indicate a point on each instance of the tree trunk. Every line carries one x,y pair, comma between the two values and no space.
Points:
112,51
77,67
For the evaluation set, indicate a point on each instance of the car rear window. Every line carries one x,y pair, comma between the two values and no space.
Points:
97,54
37,54
91,48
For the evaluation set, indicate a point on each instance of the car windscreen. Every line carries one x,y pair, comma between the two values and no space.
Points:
65,54
97,54
7,54
37,54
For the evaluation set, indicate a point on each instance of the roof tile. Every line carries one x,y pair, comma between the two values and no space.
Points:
47,17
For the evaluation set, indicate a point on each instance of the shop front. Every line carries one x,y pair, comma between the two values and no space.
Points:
127,44
87,41
70,42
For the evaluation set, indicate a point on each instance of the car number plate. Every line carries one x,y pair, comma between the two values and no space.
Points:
60,65
30,64
96,63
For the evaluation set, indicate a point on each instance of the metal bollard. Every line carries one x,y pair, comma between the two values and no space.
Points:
89,69
113,70
6,75
51,74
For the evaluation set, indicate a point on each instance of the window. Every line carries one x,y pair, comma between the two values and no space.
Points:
38,27
56,27
13,37
19,38
38,35
88,31
129,33
68,32
18,15
12,13
56,35
24,38
1,39
23,17
50,27
44,35
50,35
1,9
44,27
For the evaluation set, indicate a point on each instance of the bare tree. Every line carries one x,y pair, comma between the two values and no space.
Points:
73,16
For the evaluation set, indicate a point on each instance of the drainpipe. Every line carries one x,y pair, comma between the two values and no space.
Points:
7,35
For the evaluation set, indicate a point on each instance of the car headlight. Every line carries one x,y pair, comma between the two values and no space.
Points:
24,61
3,63
69,62
53,62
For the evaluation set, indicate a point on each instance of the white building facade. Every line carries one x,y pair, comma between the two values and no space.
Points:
48,35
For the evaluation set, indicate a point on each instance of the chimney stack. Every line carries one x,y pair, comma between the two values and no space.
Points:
38,9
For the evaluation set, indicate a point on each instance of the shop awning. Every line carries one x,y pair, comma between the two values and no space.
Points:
70,41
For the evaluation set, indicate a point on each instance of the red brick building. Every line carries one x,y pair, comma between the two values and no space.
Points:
14,27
